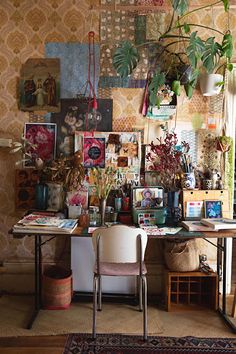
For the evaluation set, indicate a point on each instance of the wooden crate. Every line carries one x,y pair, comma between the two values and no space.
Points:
191,290
201,195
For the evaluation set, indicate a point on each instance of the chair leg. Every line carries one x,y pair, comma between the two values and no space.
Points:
144,281
95,290
140,284
99,293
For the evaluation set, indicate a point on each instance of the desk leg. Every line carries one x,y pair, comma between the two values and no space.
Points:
37,279
224,276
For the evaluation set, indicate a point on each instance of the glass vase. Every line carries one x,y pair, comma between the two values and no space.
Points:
102,208
41,196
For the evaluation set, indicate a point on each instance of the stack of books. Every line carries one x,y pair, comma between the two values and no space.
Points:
44,224
220,223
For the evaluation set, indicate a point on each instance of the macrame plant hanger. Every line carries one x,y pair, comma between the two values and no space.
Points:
92,114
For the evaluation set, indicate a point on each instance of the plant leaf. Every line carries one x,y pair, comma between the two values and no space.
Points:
227,46
186,28
125,59
156,82
226,4
180,6
229,66
211,54
176,87
195,49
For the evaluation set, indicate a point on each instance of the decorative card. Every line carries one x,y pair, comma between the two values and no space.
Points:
40,85
213,209
94,152
43,136
194,209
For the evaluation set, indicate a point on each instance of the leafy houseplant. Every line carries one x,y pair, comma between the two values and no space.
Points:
207,55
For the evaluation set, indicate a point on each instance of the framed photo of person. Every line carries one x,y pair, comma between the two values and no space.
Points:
213,209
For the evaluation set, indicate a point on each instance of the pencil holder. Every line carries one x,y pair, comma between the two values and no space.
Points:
188,180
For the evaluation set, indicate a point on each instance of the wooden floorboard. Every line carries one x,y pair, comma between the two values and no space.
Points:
33,345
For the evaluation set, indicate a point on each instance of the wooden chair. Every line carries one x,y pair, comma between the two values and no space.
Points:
119,251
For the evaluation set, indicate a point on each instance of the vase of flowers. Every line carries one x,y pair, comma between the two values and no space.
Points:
103,179
167,159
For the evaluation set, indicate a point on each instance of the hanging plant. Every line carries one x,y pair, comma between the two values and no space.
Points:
223,143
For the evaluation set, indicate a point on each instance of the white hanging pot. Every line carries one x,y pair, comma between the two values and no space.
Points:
208,84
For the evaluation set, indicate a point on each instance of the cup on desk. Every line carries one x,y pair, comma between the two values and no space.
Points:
84,220
125,203
118,204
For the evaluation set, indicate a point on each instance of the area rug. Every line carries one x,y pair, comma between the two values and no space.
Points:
124,344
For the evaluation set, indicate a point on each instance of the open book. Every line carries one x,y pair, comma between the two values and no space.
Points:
220,224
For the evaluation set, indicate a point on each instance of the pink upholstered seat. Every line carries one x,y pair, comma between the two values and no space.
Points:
120,269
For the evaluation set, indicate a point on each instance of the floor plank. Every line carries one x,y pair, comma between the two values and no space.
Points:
33,345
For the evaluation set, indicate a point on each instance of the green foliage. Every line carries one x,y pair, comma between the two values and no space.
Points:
125,59
208,54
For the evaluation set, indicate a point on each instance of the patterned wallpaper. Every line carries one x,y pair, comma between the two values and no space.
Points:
25,27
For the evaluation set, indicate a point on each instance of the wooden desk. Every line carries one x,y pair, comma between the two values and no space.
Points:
221,245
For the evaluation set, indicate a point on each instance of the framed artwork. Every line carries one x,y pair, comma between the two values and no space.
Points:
40,85
43,136
74,117
25,182
213,208
94,152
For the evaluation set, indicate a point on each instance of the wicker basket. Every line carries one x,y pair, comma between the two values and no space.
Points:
56,288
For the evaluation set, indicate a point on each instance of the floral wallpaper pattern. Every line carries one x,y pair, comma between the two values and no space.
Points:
25,27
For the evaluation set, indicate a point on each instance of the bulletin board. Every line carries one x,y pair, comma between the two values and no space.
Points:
120,150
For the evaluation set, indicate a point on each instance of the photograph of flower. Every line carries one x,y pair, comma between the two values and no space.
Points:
213,209
43,137
74,117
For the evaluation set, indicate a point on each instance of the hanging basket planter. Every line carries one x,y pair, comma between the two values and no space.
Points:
223,143
211,84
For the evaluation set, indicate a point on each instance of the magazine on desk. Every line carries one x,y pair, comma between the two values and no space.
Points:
45,224
220,224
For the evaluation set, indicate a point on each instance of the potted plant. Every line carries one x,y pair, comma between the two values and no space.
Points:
198,53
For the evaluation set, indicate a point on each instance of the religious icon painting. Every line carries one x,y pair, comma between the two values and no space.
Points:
40,85
43,138
94,152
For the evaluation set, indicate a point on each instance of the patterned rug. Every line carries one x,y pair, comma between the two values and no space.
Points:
122,344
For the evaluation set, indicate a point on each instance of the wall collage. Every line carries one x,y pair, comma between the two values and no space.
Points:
33,35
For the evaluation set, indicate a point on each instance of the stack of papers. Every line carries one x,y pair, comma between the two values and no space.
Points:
44,224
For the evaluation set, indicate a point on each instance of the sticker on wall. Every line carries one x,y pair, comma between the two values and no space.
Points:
40,85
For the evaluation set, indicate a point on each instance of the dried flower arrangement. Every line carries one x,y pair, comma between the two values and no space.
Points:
168,159
25,147
104,180
66,170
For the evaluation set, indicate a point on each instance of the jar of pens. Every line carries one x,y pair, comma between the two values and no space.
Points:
188,180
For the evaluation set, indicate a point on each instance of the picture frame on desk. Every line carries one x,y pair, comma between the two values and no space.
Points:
213,209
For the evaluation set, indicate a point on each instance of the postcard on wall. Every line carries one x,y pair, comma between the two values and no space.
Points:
194,209
40,85
43,137
122,152
94,152
74,117
213,208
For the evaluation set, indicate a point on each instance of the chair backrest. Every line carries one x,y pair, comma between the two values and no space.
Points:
119,243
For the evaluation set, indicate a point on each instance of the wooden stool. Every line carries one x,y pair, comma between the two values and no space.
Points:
234,304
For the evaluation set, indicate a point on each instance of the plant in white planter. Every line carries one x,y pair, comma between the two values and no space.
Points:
198,54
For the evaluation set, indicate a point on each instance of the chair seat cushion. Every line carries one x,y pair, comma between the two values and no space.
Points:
120,269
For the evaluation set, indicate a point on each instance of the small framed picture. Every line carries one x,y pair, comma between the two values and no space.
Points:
43,137
213,209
